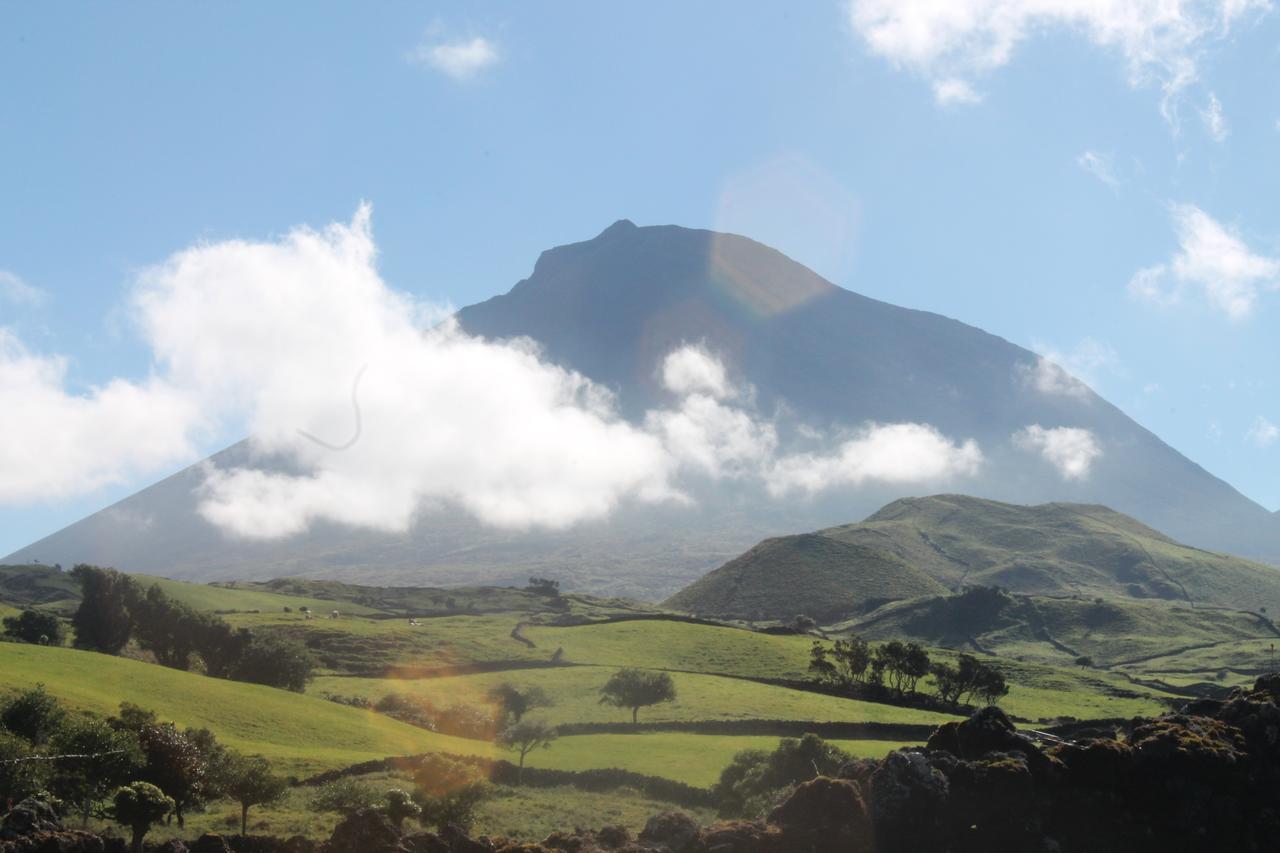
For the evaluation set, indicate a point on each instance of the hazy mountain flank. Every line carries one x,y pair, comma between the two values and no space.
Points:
612,308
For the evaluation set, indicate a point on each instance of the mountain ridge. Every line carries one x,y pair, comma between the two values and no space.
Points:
611,308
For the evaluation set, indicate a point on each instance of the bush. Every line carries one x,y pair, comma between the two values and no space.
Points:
345,797
275,661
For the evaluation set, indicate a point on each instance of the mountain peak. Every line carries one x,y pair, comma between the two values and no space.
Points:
620,227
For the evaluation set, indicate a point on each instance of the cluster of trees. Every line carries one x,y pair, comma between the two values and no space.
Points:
115,608
130,768
855,664
35,626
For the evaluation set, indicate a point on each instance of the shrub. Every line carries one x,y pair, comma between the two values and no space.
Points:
35,626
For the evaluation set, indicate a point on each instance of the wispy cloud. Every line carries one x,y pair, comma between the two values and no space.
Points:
459,59
14,290
1069,373
955,91
1214,121
1212,259
1263,433
1100,166
953,42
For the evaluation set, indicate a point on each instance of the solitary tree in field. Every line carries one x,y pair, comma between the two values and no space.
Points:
138,806
523,738
635,689
250,782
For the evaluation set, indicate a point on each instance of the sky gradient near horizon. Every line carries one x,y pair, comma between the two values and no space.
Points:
1096,185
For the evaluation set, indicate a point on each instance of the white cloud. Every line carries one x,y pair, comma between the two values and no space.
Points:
58,444
460,60
957,41
1214,121
887,453
692,370
1263,432
954,91
14,289
1212,259
1071,450
1098,165
278,339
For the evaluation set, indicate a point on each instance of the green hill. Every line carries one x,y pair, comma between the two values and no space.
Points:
302,734
923,546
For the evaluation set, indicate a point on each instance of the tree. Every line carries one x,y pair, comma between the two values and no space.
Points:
544,586
139,806
110,758
513,703
35,626
523,738
168,629
635,689
802,624
276,661
103,622
33,715
175,764
400,806
969,676
1084,660
249,782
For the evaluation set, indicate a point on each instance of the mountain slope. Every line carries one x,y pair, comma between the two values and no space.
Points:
952,541
612,308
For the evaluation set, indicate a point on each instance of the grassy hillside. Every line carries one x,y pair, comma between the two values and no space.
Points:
810,573
920,546
1108,630
301,733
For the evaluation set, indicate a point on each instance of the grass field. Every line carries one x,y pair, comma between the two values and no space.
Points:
575,692
303,735
656,644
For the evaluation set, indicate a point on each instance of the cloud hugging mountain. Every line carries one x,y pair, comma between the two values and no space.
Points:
644,405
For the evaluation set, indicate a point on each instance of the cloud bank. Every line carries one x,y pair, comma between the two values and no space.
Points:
368,408
1211,259
954,42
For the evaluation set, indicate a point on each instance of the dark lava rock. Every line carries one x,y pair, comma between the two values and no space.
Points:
671,831
28,817
826,814
365,831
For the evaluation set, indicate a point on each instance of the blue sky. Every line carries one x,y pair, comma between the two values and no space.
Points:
1019,180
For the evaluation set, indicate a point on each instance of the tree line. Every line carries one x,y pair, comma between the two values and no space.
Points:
115,608
861,667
